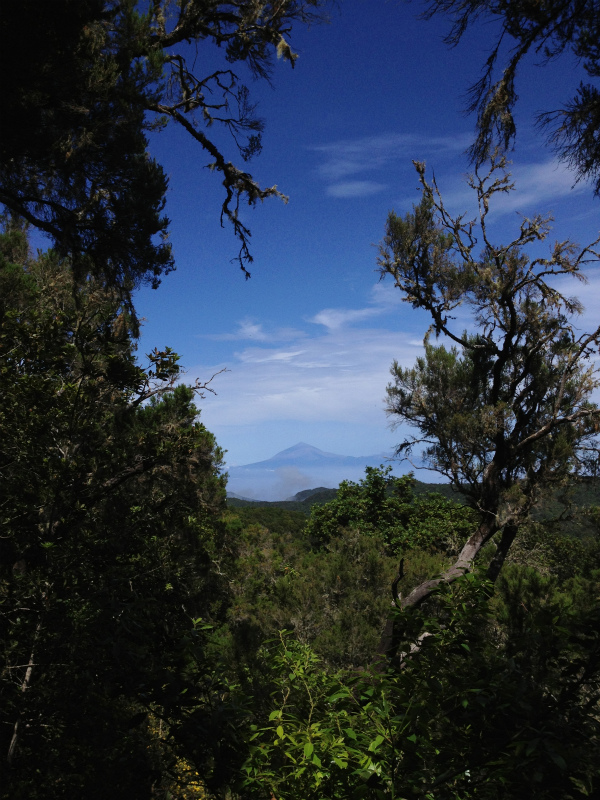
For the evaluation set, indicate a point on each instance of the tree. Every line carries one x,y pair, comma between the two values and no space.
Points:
505,411
501,703
386,506
548,29
89,79
111,503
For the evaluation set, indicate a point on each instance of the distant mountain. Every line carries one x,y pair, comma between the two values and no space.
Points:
307,455
296,469
306,493
234,496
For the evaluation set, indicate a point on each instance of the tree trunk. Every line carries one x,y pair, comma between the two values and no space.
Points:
508,536
389,640
24,686
463,564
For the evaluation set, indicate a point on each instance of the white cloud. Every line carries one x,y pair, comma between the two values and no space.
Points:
248,329
353,156
263,356
536,188
588,293
384,298
334,318
336,376
385,295
339,375
355,189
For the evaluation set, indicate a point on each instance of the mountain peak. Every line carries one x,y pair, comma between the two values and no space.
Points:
304,452
296,468
298,449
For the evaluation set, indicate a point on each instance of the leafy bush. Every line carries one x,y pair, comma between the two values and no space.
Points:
387,506
466,718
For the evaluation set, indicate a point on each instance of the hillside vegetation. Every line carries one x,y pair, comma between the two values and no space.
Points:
164,641
386,640
506,682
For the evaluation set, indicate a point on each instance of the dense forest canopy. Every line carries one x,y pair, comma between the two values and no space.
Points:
111,502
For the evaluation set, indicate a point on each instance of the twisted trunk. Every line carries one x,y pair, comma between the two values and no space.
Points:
388,643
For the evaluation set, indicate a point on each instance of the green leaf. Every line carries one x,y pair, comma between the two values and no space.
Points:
308,749
280,731
532,746
559,761
316,760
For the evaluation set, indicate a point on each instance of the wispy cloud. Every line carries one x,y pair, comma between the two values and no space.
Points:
340,374
384,298
355,189
536,188
248,329
335,372
264,356
588,293
335,318
351,157
544,181
331,378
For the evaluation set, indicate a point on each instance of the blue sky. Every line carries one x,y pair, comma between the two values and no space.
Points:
308,341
